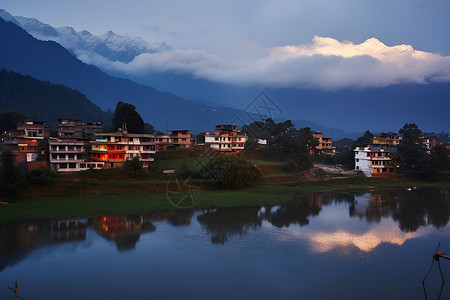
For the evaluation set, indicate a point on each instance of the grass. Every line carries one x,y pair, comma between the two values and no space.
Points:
142,200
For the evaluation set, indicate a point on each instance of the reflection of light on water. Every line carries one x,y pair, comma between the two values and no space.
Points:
321,241
324,242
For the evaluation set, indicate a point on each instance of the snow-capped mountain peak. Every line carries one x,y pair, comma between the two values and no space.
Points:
110,45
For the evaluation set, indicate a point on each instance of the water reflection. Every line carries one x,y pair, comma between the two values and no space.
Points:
223,223
17,240
399,215
411,210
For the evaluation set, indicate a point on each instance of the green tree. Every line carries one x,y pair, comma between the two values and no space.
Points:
233,172
410,150
296,145
126,113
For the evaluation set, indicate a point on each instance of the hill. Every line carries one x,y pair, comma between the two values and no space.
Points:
44,101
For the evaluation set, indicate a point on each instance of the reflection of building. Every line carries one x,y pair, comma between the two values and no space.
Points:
125,231
324,145
68,230
226,138
373,160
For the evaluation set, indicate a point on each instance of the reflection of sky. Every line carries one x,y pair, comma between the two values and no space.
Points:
335,229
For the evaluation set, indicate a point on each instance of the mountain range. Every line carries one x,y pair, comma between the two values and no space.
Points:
49,61
110,45
354,110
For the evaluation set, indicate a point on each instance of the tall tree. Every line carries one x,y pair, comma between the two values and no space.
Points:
126,113
411,151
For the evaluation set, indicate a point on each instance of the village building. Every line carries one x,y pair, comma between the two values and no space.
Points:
374,160
70,156
115,148
76,129
226,138
26,143
182,139
387,139
324,145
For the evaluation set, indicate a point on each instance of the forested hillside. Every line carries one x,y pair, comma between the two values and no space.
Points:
44,101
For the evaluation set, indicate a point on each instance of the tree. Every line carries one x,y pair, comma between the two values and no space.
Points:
364,140
296,145
233,172
149,129
126,113
410,150
9,120
9,176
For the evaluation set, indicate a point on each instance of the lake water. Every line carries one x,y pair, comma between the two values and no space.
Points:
373,245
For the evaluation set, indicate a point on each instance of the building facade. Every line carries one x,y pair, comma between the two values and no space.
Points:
226,138
115,148
324,145
70,156
181,139
386,139
374,160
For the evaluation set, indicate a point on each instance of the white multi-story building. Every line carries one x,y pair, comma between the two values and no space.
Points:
69,156
373,160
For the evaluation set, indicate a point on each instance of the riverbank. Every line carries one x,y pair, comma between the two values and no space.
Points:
129,197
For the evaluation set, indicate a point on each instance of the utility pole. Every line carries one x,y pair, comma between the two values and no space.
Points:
15,291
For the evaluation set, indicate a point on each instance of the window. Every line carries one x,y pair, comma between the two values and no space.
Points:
216,139
71,156
83,166
72,165
63,166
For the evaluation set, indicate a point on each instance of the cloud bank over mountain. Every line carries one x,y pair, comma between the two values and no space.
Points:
325,63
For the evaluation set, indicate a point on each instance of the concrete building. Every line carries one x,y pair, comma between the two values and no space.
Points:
226,138
76,129
70,156
374,160
325,145
386,139
25,141
115,148
181,139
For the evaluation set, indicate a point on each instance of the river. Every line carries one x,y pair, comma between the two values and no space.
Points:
329,245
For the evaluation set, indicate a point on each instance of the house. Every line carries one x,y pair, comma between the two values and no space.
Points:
324,145
181,139
70,156
76,129
387,139
25,141
226,138
374,160
115,148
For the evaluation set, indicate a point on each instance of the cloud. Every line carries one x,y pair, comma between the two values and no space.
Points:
325,63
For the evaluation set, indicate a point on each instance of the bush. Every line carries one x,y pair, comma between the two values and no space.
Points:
133,168
233,172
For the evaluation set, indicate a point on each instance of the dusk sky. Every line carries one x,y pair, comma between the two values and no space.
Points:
324,44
